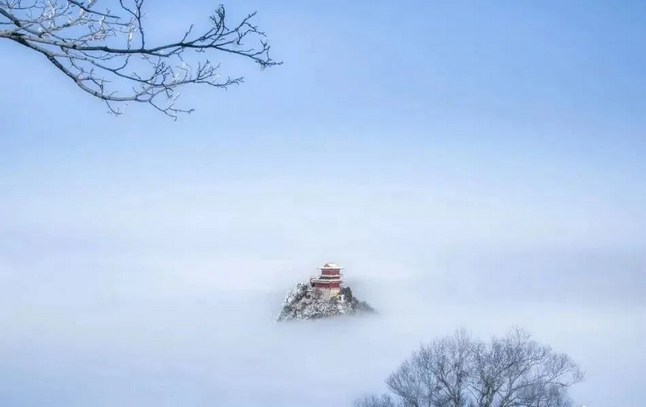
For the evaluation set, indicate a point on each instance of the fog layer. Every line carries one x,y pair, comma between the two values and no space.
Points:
165,308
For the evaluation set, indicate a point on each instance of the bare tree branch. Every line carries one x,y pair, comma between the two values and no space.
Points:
459,371
105,51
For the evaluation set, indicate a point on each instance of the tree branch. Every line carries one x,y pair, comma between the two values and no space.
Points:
106,54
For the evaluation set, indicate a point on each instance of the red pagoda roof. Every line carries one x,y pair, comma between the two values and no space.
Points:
332,266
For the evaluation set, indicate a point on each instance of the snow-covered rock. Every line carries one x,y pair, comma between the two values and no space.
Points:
307,302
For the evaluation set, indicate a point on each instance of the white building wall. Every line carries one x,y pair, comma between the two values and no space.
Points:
329,292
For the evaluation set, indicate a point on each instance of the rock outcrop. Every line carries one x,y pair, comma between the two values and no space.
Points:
307,302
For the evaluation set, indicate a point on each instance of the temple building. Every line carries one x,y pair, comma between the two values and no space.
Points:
329,282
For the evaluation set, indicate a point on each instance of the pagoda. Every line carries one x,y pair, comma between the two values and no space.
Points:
329,282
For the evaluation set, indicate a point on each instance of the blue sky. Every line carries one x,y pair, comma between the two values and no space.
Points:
531,108
460,146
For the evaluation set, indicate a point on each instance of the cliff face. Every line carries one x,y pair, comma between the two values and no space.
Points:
307,302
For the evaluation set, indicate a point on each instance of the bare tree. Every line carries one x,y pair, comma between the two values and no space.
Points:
459,371
102,46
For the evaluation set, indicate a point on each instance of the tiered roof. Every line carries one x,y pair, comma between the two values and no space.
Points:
331,279
332,266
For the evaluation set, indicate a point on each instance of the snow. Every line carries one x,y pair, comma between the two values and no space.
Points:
307,302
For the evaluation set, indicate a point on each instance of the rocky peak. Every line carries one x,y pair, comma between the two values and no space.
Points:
307,302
